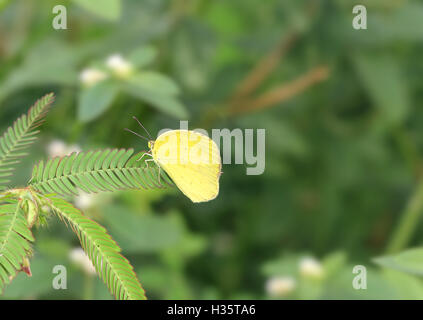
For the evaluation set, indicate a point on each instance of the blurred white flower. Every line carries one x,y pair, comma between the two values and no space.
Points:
84,200
78,256
58,148
280,286
310,267
91,76
119,65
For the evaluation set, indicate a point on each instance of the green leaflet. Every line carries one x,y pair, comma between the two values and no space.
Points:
104,253
20,136
15,240
92,171
97,171
95,100
106,9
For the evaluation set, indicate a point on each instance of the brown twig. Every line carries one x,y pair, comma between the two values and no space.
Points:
252,80
242,99
263,68
282,92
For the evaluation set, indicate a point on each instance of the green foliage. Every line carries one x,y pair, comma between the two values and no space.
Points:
107,9
160,95
104,253
20,136
409,261
15,239
96,171
95,100
343,178
142,56
93,171
382,78
145,233
156,89
35,70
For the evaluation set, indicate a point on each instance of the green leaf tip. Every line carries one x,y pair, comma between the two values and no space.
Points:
15,241
113,268
96,171
20,136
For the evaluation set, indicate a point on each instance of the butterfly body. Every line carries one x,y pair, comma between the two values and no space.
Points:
192,160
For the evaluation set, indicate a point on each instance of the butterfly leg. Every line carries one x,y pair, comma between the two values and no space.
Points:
146,161
145,153
159,175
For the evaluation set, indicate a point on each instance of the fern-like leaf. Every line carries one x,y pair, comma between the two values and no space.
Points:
103,252
15,240
96,171
20,136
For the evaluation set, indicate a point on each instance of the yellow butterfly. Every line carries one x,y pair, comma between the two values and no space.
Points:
191,159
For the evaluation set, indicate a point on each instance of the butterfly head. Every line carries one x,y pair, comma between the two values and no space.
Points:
151,144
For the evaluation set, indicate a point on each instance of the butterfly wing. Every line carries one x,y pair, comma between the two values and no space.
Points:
193,162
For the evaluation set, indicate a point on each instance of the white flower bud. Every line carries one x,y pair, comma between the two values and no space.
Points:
78,256
280,286
121,67
58,148
91,76
84,200
310,267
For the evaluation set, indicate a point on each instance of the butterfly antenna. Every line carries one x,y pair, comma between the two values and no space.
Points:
138,135
134,117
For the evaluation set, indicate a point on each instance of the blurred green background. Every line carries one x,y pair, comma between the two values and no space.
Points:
342,112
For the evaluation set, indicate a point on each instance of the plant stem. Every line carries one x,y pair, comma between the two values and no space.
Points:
408,222
88,286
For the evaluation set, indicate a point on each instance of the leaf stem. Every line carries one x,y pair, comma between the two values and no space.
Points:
408,222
